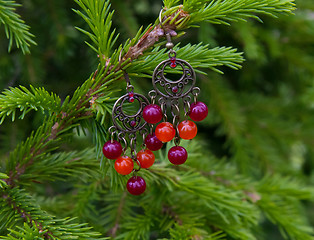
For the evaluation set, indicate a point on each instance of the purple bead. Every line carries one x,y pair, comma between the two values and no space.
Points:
152,142
198,111
136,185
112,150
152,113
177,155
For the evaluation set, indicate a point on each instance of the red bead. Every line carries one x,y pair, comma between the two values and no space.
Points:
152,142
124,165
132,123
146,158
175,89
173,65
152,113
136,185
198,111
173,60
177,155
187,129
112,150
131,99
165,132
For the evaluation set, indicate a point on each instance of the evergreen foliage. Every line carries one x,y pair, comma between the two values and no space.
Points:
255,170
15,28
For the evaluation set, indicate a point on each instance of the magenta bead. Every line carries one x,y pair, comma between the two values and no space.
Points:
198,111
136,185
177,155
112,150
152,142
152,113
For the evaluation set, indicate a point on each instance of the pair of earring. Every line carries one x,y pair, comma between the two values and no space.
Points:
168,97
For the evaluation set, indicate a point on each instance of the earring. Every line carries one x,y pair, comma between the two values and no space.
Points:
174,96
126,127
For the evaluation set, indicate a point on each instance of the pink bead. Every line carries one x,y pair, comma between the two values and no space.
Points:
177,155
152,113
152,142
198,111
112,150
136,185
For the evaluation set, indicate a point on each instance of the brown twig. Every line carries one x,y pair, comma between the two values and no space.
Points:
115,228
28,218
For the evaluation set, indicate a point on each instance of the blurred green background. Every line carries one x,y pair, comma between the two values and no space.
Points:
274,90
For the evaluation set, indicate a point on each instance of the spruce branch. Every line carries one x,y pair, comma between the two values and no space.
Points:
225,202
199,56
116,226
47,226
99,19
226,11
26,100
15,28
81,165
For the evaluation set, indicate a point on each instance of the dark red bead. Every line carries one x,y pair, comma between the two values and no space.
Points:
112,150
177,155
136,185
152,142
132,123
131,94
175,89
173,65
152,113
198,111
173,60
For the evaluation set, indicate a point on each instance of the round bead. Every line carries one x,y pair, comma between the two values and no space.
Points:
177,155
198,111
165,132
146,158
169,45
136,185
187,129
152,113
124,165
152,142
112,150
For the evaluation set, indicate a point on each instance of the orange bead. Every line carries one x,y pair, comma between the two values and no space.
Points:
146,158
187,129
124,165
165,132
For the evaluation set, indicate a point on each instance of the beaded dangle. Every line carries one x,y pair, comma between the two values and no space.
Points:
126,127
176,97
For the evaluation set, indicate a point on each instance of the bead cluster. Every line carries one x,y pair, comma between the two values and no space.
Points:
165,131
125,165
127,126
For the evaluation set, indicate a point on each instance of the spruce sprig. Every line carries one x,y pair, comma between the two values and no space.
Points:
99,18
15,28
26,100
37,221
224,12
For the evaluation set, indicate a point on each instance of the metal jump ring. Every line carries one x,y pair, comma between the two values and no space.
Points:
139,166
